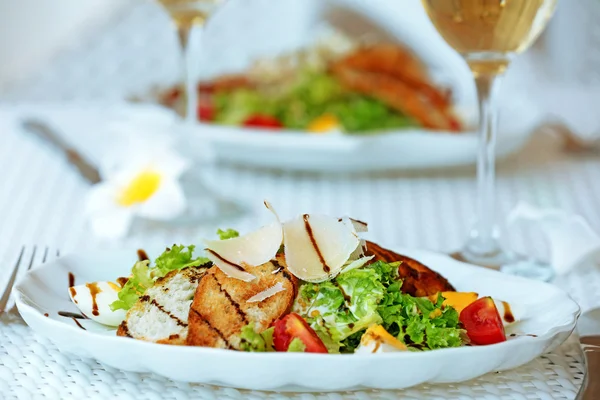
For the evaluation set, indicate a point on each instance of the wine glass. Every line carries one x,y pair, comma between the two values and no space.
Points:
489,34
189,18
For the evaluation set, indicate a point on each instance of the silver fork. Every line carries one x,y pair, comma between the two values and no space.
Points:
24,263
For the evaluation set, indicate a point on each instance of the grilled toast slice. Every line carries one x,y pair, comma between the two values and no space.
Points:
221,309
417,279
161,314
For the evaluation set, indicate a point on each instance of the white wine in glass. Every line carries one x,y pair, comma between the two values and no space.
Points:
189,16
489,34
190,12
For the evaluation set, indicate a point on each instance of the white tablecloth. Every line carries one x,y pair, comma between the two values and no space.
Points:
41,204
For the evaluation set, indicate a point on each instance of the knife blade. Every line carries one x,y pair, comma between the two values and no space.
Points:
588,328
46,133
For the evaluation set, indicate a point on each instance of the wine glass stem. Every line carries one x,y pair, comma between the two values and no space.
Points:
485,235
186,36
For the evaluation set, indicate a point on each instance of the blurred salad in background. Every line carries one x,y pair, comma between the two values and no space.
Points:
335,86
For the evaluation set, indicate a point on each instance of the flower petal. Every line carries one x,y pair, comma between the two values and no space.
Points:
106,218
111,223
167,203
170,163
100,197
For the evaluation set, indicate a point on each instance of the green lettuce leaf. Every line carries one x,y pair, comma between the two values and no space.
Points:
296,346
332,346
349,344
234,107
140,280
227,234
309,94
418,322
256,342
342,307
363,115
176,258
387,273
439,338
364,289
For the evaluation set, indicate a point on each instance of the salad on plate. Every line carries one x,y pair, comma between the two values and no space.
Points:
310,284
334,86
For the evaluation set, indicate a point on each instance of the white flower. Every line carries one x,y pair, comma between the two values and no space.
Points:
140,179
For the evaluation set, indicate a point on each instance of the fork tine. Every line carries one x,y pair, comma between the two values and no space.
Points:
45,255
11,282
32,258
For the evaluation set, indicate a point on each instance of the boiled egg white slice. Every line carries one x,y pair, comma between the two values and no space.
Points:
94,300
377,340
375,347
317,246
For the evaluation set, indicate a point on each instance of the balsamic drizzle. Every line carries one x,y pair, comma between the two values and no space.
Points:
142,256
311,236
68,314
508,315
78,324
239,267
94,290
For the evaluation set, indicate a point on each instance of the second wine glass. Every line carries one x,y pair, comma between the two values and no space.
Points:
489,34
189,17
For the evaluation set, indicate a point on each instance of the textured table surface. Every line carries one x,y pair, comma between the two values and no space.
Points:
41,203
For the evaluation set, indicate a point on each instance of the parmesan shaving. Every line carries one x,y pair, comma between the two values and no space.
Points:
265,294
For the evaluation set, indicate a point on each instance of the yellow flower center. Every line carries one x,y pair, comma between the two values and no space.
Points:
140,189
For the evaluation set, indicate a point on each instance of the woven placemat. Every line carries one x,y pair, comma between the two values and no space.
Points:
33,367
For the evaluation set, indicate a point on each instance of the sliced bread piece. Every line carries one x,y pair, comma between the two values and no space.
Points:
221,309
161,314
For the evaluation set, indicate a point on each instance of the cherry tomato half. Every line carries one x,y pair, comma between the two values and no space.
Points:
482,322
206,108
206,113
293,326
263,121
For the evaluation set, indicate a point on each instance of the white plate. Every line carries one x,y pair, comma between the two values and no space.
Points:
402,149
407,150
541,309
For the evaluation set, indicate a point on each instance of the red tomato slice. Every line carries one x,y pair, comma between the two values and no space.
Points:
206,109
206,113
482,322
263,121
293,326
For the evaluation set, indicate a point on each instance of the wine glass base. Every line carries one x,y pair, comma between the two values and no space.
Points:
492,260
509,263
529,268
207,209
204,205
